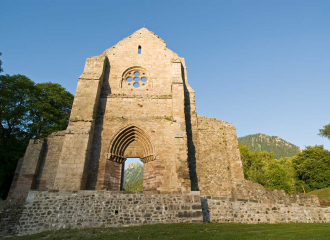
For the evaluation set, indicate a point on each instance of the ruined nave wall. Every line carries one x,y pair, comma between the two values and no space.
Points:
218,163
38,168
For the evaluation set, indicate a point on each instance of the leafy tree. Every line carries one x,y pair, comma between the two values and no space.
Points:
313,167
255,164
15,105
279,177
263,168
325,131
50,110
246,158
27,110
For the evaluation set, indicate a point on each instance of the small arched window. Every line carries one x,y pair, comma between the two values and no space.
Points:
139,50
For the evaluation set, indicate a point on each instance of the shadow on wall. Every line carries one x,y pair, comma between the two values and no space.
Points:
97,140
190,143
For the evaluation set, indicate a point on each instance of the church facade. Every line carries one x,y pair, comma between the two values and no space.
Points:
134,100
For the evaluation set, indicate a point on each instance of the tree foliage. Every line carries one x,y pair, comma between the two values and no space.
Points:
309,168
27,110
325,131
136,185
312,167
263,168
50,110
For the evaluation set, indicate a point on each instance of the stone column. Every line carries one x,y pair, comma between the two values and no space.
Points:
79,135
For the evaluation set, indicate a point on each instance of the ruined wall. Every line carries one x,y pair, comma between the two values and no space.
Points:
218,159
26,170
247,189
252,211
47,169
76,209
53,210
37,169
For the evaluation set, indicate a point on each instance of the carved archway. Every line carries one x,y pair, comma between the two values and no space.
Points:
124,138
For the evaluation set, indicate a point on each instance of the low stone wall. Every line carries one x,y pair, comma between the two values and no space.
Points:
252,211
254,191
46,210
53,210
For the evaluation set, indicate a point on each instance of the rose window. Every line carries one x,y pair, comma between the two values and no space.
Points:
136,78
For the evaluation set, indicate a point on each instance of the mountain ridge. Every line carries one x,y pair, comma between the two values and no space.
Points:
263,142
133,172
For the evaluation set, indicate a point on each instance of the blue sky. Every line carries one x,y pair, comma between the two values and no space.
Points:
261,65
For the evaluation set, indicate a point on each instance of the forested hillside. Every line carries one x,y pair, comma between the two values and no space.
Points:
133,172
262,142
137,185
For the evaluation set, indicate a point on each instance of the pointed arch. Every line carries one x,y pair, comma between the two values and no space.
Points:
124,138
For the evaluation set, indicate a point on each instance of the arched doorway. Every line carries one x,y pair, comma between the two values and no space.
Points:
133,142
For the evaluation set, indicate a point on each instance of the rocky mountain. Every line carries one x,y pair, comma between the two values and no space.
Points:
133,172
262,142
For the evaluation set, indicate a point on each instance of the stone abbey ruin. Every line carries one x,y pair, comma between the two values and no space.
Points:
134,100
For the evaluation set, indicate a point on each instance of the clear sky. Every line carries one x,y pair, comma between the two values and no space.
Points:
262,65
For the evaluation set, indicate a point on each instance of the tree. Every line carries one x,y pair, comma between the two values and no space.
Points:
263,168
15,104
50,110
279,175
325,131
27,110
255,164
313,167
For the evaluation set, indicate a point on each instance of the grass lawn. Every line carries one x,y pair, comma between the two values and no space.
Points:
195,231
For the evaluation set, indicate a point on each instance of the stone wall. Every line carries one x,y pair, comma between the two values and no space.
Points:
47,169
46,210
227,210
53,210
246,189
218,163
26,170
37,169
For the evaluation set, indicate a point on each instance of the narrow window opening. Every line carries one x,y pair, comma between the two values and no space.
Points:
139,50
132,175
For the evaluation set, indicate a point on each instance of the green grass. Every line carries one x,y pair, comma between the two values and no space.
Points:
194,231
321,193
